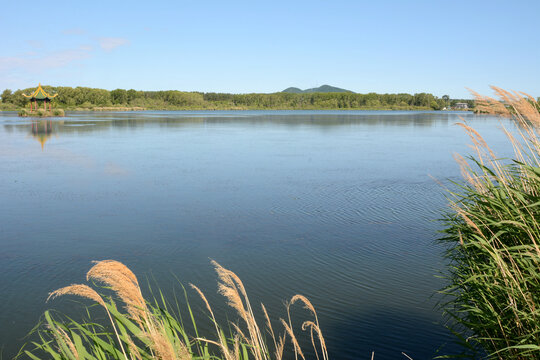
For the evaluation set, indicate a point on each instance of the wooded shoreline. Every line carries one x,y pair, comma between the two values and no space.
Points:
82,98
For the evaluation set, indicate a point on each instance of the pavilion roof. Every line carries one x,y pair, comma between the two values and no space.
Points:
40,94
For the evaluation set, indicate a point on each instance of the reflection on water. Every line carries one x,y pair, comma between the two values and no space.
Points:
95,121
42,130
337,206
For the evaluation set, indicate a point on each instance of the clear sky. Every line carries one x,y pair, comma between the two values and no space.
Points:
380,46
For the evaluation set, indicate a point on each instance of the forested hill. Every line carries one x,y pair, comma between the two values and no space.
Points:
89,98
322,89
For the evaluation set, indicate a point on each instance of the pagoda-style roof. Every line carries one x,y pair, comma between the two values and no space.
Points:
40,94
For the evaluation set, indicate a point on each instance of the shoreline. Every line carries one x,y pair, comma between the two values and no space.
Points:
128,109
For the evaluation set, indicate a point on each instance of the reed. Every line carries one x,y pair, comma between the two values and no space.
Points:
492,235
144,330
41,113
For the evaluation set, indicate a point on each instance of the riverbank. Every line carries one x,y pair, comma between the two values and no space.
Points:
229,108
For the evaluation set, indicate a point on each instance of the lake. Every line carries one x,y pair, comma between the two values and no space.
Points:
341,207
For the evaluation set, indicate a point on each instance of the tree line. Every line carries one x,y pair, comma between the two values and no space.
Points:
88,98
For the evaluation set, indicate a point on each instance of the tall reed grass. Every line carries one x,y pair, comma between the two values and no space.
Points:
492,236
142,330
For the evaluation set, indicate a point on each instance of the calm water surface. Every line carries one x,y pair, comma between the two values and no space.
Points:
337,206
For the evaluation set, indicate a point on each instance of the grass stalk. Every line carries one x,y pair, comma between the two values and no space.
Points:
491,234
143,330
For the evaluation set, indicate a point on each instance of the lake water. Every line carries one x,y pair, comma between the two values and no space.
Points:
338,206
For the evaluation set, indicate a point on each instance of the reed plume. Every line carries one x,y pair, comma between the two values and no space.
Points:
296,345
122,281
312,325
151,332
233,289
87,292
492,236
222,343
81,290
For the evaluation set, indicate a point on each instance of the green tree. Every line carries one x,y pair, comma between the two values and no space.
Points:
119,96
18,99
7,96
435,105
446,99
131,95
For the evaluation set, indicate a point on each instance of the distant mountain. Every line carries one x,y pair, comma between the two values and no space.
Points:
293,90
323,89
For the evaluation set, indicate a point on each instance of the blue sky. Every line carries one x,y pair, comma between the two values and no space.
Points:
434,46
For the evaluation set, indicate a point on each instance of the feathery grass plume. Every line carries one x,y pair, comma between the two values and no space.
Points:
297,348
104,268
312,325
161,346
222,344
81,290
122,281
201,294
280,347
492,238
165,341
307,304
152,333
133,350
239,332
87,292
489,105
236,346
269,325
233,289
